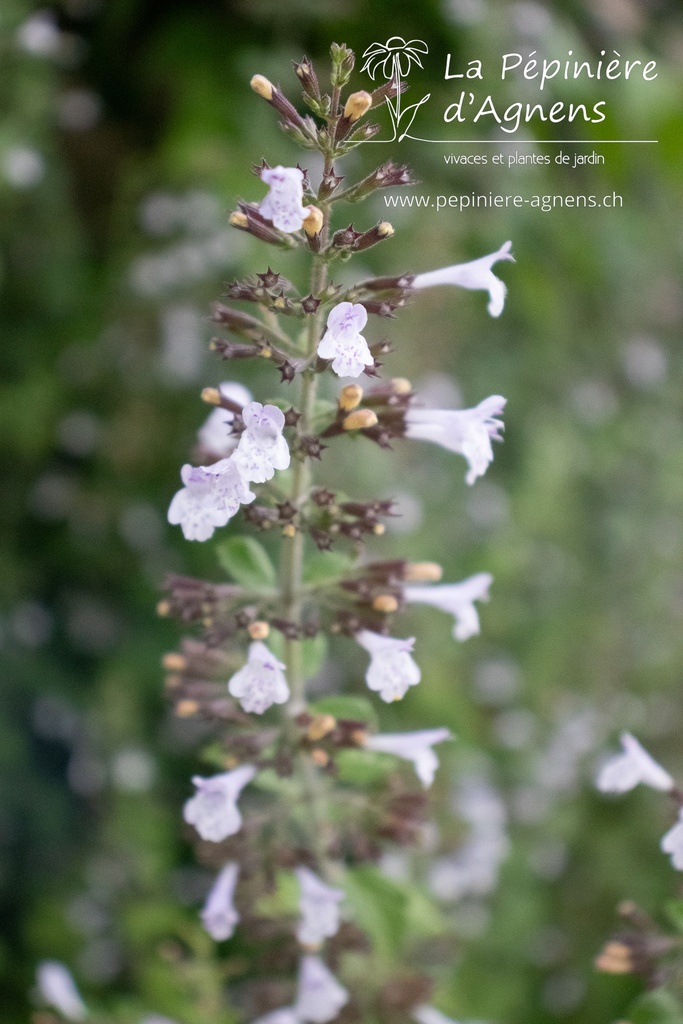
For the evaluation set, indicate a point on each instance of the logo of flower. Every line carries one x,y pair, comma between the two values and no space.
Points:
394,60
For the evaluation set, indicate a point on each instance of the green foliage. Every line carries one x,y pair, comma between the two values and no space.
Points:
247,562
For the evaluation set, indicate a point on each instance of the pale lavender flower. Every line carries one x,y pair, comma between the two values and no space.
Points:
286,1015
320,997
211,496
261,682
216,435
425,1014
466,431
412,746
672,843
343,343
457,599
57,989
262,448
319,905
624,771
284,203
391,670
219,914
475,275
213,809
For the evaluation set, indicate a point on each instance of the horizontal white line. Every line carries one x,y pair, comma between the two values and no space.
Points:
538,142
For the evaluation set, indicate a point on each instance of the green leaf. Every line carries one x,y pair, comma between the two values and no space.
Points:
674,911
346,706
362,768
379,908
313,653
658,1007
247,562
327,565
284,899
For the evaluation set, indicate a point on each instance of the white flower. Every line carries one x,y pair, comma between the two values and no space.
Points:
319,905
216,434
425,1014
213,809
286,1015
457,599
412,746
342,341
391,670
219,914
477,274
624,771
672,843
319,997
466,431
284,203
211,496
57,988
262,448
261,682
155,1018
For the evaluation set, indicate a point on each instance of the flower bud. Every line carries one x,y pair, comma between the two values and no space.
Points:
258,630
379,529
385,603
322,725
186,708
350,397
401,386
320,757
360,419
615,958
422,572
385,230
289,530
313,221
164,609
238,220
211,396
357,104
262,87
174,662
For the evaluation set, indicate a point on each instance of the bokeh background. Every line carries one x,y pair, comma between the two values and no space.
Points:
127,130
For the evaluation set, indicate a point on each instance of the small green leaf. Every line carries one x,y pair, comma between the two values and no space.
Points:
379,907
327,565
362,768
346,706
247,562
658,1007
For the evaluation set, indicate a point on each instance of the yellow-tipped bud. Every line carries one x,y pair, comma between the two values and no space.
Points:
313,221
385,229
357,104
238,219
211,396
320,757
186,708
262,87
258,630
615,959
401,386
359,737
174,662
350,397
303,70
164,609
378,529
423,572
322,725
266,352
289,530
386,603
360,419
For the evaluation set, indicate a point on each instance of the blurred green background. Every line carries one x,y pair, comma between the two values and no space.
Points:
127,131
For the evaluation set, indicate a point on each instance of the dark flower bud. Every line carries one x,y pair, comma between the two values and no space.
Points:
305,72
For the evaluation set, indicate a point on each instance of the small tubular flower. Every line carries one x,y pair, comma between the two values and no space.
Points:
672,843
216,433
412,746
213,809
57,988
219,915
319,906
343,343
320,997
261,682
474,275
457,599
625,771
468,432
391,670
284,203
262,448
211,496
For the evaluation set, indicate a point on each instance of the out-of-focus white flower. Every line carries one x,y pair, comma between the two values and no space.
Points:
213,809
22,167
262,449
216,433
457,599
319,905
391,670
219,914
319,997
156,1018
286,1015
261,682
475,275
40,35
466,431
284,203
343,343
57,988
624,771
425,1014
672,843
412,746
211,496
